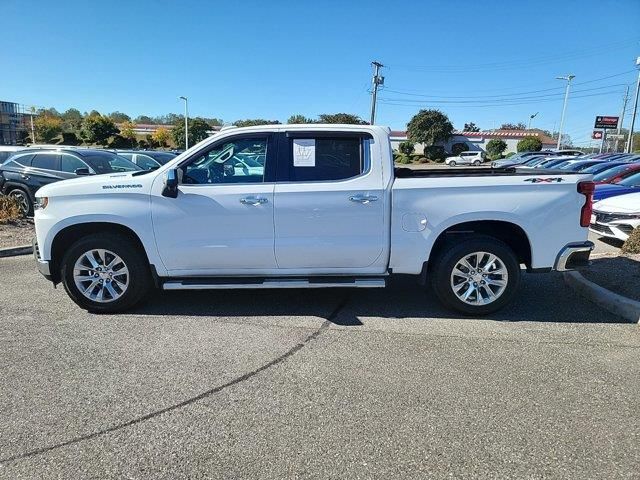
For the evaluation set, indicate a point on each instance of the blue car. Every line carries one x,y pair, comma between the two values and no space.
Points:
630,184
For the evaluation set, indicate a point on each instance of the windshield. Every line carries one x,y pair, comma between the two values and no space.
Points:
631,181
610,173
109,163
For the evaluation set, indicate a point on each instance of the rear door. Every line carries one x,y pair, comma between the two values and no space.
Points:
329,203
44,169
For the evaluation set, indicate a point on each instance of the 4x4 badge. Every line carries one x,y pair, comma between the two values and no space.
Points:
544,180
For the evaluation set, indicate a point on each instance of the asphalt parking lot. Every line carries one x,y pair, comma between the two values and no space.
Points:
314,384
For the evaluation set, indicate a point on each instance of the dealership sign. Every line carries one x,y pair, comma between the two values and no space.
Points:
597,135
606,122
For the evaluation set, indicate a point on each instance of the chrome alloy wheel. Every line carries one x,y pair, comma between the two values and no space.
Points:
22,200
479,278
101,275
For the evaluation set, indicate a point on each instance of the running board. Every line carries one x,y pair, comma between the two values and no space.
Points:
252,283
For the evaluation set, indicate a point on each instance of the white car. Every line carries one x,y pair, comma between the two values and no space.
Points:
326,209
616,217
465,158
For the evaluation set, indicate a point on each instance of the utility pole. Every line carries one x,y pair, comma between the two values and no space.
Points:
625,99
635,108
186,123
33,130
377,80
531,117
568,78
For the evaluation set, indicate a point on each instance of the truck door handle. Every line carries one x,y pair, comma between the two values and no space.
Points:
253,200
363,198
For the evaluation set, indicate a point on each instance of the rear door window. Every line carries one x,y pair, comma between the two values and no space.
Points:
325,159
24,159
46,160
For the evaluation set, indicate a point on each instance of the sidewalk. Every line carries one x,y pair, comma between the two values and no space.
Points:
612,281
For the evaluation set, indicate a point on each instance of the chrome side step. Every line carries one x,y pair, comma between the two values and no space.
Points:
250,283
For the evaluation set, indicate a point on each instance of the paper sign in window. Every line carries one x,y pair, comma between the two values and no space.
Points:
304,152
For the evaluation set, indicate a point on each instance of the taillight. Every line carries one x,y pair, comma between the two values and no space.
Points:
586,189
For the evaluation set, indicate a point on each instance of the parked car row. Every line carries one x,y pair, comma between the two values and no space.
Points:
25,170
617,193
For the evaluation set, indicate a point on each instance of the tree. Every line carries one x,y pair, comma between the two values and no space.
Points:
347,118
254,122
161,136
470,127
127,130
214,122
119,117
198,129
513,126
71,120
406,147
496,147
429,127
47,127
299,119
566,139
529,144
98,129
459,147
144,119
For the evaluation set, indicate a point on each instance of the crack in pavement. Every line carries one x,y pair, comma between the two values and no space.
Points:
207,393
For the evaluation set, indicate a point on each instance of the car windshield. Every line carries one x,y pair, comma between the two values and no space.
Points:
162,157
600,167
610,173
631,181
105,162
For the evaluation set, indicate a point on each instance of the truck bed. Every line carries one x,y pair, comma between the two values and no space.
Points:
403,172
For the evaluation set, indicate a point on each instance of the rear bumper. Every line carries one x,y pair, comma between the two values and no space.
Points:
43,265
573,255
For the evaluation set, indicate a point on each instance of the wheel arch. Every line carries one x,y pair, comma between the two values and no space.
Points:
510,233
69,235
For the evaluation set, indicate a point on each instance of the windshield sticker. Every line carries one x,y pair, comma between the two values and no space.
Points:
304,152
545,180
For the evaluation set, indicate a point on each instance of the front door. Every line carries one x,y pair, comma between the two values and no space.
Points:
222,220
330,204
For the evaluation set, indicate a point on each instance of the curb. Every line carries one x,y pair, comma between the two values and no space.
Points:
15,251
612,302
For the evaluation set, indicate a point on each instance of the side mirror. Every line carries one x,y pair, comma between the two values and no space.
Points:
82,171
170,189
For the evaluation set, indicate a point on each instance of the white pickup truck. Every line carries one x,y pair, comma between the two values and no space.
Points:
307,206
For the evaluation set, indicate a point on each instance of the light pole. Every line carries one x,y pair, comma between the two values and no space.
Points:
186,123
531,117
635,109
568,78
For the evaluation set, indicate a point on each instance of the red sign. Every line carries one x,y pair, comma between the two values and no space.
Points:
597,135
606,122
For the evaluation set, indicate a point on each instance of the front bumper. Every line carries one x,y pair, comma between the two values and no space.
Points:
573,255
43,265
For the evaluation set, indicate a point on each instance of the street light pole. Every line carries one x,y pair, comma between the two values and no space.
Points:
531,117
568,78
186,123
635,108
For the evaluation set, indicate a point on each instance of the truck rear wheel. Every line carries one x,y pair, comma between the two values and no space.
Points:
105,273
476,275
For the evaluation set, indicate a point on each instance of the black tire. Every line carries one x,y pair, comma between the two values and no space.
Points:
23,198
452,163
441,268
139,280
477,163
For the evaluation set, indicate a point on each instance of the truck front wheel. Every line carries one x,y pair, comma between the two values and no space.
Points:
475,275
105,273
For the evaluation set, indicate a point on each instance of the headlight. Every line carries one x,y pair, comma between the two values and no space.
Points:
41,203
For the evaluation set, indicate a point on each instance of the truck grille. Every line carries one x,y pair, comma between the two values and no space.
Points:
601,228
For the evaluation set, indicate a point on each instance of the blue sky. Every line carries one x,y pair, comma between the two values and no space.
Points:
488,62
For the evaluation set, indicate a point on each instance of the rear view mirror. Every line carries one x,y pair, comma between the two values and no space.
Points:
171,184
82,171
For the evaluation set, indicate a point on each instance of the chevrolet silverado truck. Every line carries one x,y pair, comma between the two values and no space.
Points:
308,206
